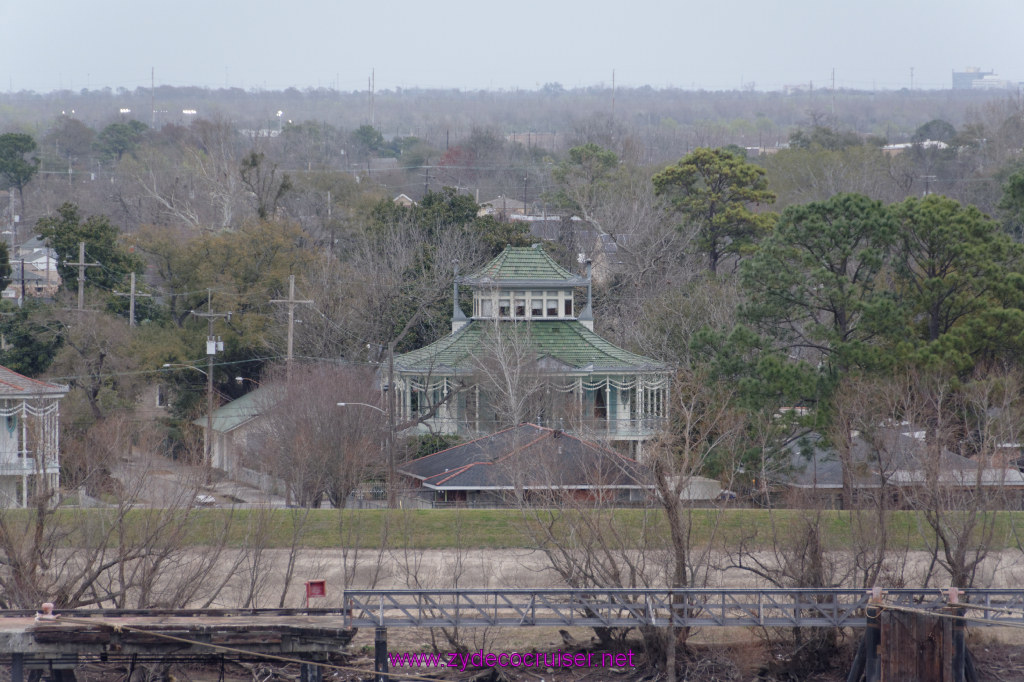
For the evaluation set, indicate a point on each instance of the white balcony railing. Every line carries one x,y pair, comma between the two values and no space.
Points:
620,429
26,466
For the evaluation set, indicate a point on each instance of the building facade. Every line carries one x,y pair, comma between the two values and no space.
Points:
30,439
526,354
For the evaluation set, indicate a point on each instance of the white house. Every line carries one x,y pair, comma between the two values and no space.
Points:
29,441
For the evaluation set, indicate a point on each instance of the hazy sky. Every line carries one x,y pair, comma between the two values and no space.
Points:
483,44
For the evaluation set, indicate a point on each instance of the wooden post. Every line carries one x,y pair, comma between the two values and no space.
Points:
310,672
873,637
959,642
380,653
857,668
17,667
916,646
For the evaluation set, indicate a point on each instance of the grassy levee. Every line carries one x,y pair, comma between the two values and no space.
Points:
477,528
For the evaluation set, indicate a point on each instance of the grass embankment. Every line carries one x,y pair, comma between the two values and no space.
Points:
508,528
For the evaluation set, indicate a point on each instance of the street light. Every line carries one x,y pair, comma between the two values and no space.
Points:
389,450
372,407
208,435
184,366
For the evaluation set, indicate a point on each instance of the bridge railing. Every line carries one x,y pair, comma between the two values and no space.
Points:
813,607
616,607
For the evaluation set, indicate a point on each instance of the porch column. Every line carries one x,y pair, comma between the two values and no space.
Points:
406,398
24,431
608,406
640,402
579,401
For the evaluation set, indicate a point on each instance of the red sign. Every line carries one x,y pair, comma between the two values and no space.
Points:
315,588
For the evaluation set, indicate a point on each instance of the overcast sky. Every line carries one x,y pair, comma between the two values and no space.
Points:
482,44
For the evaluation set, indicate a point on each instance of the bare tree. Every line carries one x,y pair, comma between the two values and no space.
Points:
319,450
123,556
506,371
956,496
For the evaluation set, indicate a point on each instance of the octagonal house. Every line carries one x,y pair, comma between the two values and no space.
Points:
525,355
29,441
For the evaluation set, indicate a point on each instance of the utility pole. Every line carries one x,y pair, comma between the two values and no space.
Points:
131,301
613,93
152,96
373,85
927,183
82,265
292,302
833,91
213,346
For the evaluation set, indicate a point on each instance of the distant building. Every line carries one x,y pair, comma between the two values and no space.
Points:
899,462
33,271
572,378
502,208
964,80
993,83
900,147
551,142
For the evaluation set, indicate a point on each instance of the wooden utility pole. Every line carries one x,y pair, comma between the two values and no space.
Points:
213,345
292,302
131,301
82,265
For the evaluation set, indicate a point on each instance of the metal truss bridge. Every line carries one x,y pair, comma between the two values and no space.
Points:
619,608
592,607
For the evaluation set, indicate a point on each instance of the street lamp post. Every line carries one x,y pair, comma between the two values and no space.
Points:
208,435
389,450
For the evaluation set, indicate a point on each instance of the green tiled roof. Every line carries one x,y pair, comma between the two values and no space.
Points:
240,411
523,263
566,341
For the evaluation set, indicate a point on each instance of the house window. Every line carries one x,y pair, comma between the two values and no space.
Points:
536,307
520,307
504,308
552,303
568,307
486,308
